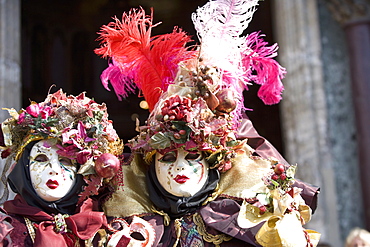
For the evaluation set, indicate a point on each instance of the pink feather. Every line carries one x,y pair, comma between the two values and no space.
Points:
122,84
262,69
148,62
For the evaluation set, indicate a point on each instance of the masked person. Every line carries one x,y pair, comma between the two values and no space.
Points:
202,176
61,154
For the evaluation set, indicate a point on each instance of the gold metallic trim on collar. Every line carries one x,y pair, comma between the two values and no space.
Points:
210,238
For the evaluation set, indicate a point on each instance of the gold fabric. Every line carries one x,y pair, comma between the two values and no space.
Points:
249,216
30,229
133,198
247,173
285,231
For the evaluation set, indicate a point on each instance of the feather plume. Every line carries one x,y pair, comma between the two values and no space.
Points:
148,62
121,83
219,25
224,17
263,69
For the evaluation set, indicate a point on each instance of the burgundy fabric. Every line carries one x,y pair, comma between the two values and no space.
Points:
166,235
5,228
222,215
309,193
261,146
83,224
19,235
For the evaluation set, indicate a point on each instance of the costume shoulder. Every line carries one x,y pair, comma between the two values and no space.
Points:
133,198
246,173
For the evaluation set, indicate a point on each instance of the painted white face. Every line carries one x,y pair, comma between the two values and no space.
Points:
181,173
52,176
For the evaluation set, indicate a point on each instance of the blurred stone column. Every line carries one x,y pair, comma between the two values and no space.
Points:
304,108
10,60
354,16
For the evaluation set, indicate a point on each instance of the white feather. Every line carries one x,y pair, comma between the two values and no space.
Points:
219,25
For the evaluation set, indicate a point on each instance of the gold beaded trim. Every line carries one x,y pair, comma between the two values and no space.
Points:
30,229
210,238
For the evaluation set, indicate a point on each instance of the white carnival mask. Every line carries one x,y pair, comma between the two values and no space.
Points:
52,176
181,173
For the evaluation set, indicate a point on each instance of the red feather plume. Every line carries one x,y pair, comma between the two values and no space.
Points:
148,62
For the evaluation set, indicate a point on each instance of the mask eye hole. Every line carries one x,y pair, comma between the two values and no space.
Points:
193,156
168,158
41,158
67,163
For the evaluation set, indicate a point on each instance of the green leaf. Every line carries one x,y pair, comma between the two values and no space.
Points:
215,158
276,184
160,141
232,143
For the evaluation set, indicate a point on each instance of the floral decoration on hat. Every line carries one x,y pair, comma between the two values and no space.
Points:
78,126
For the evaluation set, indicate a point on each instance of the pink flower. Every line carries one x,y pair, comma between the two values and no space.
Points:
46,112
77,137
67,151
112,134
83,156
224,166
68,136
33,110
21,117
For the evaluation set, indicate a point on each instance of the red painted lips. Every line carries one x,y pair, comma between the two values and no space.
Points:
52,184
181,179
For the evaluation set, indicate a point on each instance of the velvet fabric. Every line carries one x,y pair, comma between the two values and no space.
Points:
83,224
20,182
5,228
19,236
262,146
175,206
222,215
